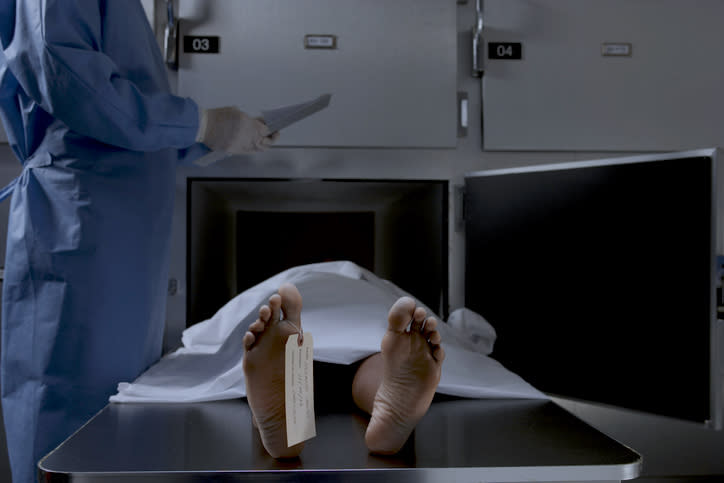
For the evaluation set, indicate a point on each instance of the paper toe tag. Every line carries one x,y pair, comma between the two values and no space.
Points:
299,389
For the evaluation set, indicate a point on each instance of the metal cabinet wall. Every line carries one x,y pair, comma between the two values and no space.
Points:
611,75
391,67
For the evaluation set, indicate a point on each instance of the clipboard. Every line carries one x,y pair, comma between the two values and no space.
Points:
278,119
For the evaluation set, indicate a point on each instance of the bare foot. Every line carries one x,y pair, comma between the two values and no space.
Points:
264,346
411,371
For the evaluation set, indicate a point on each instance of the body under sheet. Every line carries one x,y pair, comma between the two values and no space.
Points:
345,308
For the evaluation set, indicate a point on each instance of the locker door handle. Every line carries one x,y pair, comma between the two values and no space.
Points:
170,37
478,40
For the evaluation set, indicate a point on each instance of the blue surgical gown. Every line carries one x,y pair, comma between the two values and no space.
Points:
85,101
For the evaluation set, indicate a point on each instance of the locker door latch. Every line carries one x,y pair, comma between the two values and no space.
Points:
478,40
462,114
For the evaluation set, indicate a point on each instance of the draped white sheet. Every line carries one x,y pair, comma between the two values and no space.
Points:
345,308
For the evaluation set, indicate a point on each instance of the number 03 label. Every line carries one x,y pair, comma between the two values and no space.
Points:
201,45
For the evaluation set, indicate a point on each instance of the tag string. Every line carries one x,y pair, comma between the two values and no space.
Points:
422,324
298,330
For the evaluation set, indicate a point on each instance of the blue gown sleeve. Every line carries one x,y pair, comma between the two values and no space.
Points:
57,56
187,156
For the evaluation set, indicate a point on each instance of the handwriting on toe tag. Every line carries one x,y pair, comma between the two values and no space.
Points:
299,389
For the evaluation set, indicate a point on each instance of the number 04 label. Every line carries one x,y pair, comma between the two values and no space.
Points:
505,50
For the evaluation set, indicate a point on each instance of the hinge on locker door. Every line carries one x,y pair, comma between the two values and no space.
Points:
459,201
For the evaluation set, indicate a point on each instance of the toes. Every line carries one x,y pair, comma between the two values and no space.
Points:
254,331
429,331
248,340
418,318
428,327
438,353
291,303
434,338
400,314
264,314
257,327
275,304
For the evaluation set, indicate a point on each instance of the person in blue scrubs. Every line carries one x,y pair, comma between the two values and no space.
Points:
85,101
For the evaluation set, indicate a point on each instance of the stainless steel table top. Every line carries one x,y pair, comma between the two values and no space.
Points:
458,440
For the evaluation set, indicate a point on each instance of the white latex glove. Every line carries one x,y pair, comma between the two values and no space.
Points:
232,131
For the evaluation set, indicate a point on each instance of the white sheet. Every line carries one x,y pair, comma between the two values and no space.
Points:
345,307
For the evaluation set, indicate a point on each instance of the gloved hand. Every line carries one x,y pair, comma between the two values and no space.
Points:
232,131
